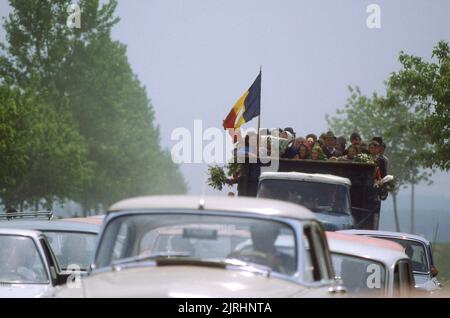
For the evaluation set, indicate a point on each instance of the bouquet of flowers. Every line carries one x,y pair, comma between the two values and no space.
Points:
364,158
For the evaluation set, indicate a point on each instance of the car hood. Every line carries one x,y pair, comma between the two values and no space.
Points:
335,222
23,290
184,282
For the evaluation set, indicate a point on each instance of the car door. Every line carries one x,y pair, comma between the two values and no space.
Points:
403,279
319,270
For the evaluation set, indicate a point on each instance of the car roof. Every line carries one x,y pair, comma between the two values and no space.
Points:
98,216
22,232
96,220
309,177
256,206
52,225
374,250
365,240
398,235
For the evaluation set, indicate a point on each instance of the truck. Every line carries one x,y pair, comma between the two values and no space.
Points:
311,182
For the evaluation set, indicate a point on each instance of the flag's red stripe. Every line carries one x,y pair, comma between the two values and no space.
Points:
230,120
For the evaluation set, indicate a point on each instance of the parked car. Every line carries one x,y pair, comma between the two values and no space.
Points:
370,267
28,267
182,246
73,242
419,251
326,195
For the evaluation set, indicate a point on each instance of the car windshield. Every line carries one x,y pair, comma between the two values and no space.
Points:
73,250
316,196
416,252
20,261
361,277
201,237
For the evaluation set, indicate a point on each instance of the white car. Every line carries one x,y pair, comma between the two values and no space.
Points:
370,267
28,267
184,247
419,251
71,240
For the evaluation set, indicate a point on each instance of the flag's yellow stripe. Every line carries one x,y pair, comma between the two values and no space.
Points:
239,109
240,121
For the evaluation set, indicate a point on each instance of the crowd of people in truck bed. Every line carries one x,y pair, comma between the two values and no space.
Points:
329,147
325,147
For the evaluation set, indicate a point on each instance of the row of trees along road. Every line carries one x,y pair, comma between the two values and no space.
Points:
75,122
413,117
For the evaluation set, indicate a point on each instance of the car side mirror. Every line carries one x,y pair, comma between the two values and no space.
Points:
434,271
57,277
62,278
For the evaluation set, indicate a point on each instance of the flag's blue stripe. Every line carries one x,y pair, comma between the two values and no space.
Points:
253,101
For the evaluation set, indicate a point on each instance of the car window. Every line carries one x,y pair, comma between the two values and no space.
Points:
72,248
316,196
202,237
416,251
361,277
20,261
120,242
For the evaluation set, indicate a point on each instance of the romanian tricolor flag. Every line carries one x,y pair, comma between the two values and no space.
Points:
246,108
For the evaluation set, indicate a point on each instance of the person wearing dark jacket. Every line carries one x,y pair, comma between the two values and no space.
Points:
380,160
330,145
384,158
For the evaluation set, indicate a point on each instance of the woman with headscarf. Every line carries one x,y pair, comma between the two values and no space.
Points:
317,153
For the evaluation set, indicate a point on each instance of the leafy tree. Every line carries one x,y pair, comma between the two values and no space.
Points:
425,88
85,75
369,117
42,155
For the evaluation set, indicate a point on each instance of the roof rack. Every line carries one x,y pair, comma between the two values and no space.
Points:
33,214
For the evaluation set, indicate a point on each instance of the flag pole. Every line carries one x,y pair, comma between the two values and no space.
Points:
257,140
259,116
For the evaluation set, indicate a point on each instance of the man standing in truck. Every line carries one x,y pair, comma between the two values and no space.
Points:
330,146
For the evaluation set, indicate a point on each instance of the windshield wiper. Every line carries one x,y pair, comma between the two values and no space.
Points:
183,258
216,263
151,257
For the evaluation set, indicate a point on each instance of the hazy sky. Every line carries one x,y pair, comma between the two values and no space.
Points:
196,57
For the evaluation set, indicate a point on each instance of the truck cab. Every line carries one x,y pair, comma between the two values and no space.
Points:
328,196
